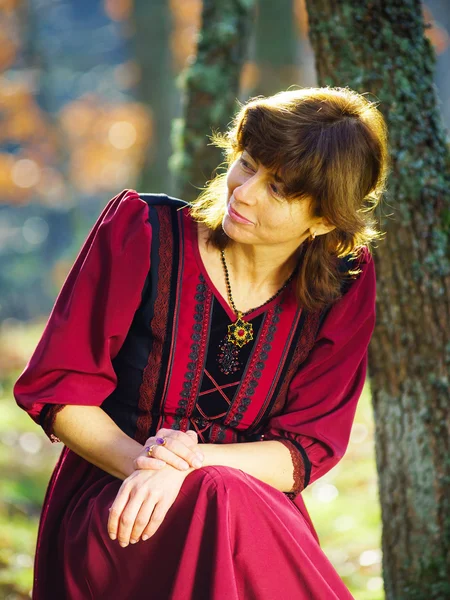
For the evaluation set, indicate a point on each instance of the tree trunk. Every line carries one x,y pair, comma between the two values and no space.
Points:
276,47
151,41
211,86
380,47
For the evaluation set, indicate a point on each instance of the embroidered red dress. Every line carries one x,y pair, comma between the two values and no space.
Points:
138,329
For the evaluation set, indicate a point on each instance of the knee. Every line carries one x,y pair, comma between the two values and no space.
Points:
224,473
218,477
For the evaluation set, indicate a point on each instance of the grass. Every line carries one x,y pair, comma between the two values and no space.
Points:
345,510
343,504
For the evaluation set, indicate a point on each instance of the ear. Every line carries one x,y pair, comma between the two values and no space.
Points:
323,226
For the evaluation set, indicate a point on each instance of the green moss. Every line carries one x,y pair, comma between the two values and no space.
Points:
210,85
381,48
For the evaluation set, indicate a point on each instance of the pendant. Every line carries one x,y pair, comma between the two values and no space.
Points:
240,332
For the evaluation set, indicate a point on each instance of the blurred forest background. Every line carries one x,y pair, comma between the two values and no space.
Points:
88,107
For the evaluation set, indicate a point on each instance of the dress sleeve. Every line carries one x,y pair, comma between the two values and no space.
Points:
322,397
91,315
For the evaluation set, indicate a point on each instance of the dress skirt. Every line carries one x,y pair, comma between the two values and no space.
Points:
227,536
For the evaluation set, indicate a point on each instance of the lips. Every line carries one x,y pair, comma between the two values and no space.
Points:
234,213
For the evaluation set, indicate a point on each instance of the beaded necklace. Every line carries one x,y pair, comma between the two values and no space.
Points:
240,332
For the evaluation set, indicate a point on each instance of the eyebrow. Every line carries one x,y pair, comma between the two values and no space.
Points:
277,178
274,176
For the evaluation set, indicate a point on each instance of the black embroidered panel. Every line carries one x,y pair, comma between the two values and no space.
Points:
123,404
195,351
258,361
218,389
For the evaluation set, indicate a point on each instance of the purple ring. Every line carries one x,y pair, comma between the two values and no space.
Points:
160,441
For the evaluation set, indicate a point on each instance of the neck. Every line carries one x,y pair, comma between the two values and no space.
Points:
260,268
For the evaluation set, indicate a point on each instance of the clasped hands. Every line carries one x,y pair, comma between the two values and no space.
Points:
147,494
180,451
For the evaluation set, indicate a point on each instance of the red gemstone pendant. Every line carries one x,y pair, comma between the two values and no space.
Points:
240,332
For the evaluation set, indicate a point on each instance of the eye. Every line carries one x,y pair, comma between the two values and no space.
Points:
244,163
272,187
276,191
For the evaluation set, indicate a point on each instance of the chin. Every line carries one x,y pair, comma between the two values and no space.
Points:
233,232
226,225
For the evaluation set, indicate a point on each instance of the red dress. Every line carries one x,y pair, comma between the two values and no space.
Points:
138,329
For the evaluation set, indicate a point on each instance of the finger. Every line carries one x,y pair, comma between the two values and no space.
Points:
165,454
117,508
144,463
193,434
194,446
128,517
179,447
150,463
163,432
157,518
142,519
188,438
177,454
181,436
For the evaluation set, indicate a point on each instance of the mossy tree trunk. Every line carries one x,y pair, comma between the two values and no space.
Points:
380,47
152,23
211,86
276,47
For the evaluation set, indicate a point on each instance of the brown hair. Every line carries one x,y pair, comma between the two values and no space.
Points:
330,148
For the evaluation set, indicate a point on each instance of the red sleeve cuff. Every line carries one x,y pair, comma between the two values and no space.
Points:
298,463
47,420
299,468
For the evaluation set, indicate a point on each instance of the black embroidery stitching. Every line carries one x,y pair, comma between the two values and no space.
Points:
257,373
199,315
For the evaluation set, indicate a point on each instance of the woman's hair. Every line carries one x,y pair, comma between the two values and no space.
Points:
329,146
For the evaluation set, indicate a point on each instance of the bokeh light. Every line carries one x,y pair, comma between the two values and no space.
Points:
25,173
325,492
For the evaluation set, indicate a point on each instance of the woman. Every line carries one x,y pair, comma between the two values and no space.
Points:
233,332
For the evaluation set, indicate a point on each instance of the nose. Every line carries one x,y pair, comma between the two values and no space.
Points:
246,190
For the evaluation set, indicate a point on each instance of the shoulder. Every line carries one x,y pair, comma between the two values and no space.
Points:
129,198
130,209
357,303
161,200
357,269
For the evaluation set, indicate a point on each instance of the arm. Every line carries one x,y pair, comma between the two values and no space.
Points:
322,397
268,461
93,435
72,364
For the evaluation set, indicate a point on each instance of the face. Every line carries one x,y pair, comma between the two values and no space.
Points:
257,213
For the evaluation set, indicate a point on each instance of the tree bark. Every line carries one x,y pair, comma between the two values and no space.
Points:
276,47
380,47
151,42
211,86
